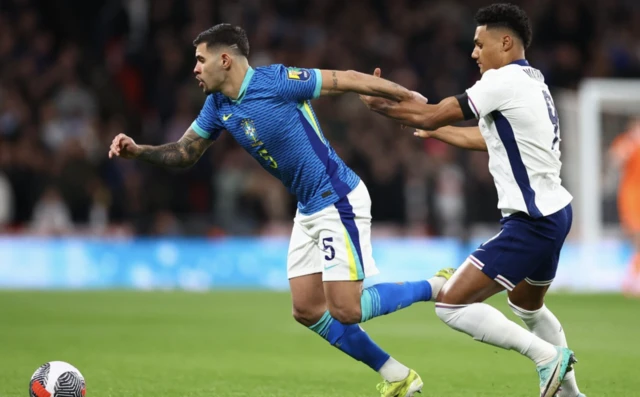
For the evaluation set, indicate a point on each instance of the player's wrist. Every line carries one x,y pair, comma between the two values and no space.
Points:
138,151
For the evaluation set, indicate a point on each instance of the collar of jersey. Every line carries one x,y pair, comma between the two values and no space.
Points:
245,84
521,62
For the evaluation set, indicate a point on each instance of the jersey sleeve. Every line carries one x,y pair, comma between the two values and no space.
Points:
490,93
296,84
207,124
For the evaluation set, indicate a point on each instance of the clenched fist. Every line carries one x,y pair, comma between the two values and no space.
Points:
123,146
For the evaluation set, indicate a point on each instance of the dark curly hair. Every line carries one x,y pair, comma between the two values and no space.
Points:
504,15
227,35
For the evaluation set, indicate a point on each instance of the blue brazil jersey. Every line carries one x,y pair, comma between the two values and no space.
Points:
273,120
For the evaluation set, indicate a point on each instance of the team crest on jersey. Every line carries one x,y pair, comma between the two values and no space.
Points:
249,129
298,74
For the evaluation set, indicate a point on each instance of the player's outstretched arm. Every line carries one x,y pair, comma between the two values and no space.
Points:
417,114
339,82
463,137
182,154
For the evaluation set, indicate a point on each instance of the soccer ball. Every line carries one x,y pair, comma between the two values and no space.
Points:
57,379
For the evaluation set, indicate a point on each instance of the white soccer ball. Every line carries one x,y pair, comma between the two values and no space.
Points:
57,379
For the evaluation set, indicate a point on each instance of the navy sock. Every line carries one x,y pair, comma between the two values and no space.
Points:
385,298
352,340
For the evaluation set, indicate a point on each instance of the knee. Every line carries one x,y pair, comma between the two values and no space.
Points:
530,304
346,314
306,315
447,296
441,296
448,313
525,307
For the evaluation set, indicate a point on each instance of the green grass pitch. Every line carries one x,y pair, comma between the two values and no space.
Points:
247,344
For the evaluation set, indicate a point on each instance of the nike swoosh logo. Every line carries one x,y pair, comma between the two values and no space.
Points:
329,267
550,381
225,117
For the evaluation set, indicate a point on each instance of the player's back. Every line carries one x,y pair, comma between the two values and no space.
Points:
520,124
274,122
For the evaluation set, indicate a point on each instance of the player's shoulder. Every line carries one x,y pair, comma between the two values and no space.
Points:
280,71
270,70
268,77
502,74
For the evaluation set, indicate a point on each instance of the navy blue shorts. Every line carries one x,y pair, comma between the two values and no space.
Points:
525,249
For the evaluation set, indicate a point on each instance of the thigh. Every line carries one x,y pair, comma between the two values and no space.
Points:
558,226
518,251
345,238
527,296
468,285
303,257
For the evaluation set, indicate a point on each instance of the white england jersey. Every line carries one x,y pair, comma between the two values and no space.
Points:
520,125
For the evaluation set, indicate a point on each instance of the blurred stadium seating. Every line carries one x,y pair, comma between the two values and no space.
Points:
74,73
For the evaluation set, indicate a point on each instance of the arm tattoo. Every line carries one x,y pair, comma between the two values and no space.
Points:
335,81
181,154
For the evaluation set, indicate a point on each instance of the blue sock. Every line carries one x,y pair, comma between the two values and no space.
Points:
352,340
385,298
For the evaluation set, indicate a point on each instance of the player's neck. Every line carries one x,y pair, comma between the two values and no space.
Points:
232,86
518,56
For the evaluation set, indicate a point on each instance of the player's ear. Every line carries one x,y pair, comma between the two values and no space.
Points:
226,60
507,42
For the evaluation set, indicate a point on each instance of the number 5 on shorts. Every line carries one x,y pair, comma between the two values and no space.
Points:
332,252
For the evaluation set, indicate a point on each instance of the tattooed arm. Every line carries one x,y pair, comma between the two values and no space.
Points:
339,82
182,154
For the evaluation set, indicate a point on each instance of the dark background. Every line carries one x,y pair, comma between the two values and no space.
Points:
73,74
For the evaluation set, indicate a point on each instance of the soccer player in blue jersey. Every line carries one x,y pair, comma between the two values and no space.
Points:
267,110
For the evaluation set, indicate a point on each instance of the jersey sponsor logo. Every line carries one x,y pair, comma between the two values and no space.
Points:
298,74
225,117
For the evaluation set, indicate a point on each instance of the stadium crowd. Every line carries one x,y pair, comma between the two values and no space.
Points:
74,73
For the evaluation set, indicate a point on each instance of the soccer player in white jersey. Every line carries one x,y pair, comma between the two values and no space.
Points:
518,126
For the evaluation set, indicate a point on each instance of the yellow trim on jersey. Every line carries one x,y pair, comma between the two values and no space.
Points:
351,259
312,119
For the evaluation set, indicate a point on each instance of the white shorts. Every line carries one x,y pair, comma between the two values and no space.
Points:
335,241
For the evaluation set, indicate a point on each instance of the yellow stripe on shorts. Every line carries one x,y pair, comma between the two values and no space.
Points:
353,269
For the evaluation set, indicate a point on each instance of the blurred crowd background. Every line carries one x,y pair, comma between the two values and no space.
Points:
75,73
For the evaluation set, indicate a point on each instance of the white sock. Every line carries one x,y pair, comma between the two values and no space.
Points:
545,325
487,324
436,285
393,371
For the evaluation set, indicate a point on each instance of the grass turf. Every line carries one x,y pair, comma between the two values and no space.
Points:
246,344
